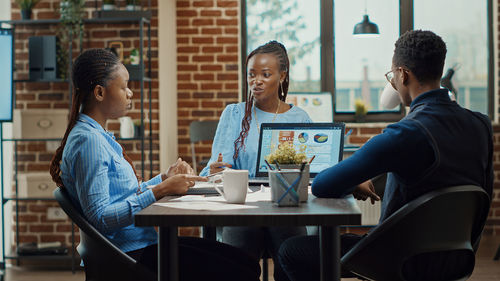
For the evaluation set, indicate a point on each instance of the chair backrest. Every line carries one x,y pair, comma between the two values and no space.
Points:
102,259
418,240
200,131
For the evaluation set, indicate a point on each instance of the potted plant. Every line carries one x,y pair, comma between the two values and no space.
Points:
26,6
133,5
286,157
135,59
70,27
108,5
360,110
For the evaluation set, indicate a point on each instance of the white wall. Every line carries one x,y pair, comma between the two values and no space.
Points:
167,77
4,9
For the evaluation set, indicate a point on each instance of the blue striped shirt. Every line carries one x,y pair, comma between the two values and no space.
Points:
104,185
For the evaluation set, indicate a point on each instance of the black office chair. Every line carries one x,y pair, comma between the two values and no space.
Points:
497,255
201,131
103,261
446,222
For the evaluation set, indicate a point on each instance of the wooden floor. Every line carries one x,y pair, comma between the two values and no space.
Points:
486,268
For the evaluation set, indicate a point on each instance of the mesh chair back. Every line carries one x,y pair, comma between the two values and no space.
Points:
200,131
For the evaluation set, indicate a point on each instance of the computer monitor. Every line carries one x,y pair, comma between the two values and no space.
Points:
319,105
6,78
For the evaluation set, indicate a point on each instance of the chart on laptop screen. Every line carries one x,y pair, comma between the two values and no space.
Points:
324,143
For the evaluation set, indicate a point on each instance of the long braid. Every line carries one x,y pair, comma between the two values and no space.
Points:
91,68
277,49
55,170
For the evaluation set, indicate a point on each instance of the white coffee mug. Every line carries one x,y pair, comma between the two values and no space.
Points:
126,127
235,184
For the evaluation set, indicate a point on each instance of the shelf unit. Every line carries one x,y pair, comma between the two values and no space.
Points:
144,26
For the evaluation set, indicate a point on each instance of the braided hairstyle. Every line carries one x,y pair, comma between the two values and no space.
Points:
91,68
279,51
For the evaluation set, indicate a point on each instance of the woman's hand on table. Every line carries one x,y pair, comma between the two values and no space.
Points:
218,166
179,167
366,190
176,185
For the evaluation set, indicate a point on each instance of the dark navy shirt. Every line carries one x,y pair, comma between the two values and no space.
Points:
438,144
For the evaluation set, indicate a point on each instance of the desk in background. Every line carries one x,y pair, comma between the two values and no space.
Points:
328,214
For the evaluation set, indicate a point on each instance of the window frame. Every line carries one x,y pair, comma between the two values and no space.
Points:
327,51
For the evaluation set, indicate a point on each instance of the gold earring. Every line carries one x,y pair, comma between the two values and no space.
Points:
282,93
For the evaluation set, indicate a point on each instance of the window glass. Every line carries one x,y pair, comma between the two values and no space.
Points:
360,63
296,24
463,26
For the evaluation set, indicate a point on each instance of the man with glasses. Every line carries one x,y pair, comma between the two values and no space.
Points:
437,145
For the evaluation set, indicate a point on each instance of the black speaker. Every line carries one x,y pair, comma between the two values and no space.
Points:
43,57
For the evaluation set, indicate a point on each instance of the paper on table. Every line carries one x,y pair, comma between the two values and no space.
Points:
262,195
203,184
201,203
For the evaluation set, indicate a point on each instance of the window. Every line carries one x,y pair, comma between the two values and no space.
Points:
360,63
295,24
326,57
463,27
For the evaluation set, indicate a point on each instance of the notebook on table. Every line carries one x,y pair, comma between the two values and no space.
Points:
324,141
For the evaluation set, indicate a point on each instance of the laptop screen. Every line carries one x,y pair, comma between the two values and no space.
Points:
324,141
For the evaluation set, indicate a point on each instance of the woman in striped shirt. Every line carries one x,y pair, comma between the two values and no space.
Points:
101,179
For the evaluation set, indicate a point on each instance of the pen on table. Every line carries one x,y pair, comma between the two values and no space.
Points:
302,166
312,158
277,165
268,165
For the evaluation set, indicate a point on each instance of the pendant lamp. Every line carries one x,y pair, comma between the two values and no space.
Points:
366,28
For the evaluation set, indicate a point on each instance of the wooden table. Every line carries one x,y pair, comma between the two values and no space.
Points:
328,214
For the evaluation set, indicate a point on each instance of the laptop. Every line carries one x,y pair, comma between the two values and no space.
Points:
324,141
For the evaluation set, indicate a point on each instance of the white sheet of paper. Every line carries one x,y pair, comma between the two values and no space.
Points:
205,206
262,195
201,203
203,184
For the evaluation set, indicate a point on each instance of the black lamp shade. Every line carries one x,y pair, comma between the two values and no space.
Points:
366,27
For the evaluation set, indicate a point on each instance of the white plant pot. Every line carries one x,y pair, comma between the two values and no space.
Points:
134,60
133,8
108,7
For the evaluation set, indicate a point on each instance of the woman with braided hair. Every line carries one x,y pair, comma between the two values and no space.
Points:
102,181
236,140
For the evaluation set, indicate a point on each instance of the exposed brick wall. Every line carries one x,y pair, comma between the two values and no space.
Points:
207,65
33,156
493,224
